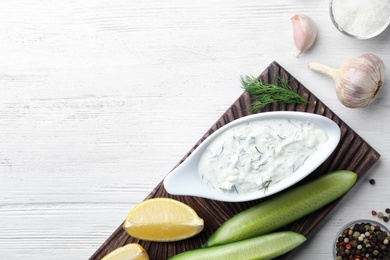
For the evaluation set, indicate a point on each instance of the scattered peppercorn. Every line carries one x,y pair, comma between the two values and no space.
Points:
363,241
385,218
387,210
372,181
380,215
373,212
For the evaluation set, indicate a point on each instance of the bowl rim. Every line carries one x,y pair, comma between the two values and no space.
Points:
360,37
357,221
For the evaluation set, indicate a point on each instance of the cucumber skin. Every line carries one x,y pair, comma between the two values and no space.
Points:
243,250
284,208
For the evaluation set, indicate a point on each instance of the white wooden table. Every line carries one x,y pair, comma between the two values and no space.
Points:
100,99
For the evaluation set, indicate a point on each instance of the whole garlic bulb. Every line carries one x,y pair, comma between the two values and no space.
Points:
358,81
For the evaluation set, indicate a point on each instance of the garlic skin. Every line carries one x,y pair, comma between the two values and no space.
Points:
358,81
304,32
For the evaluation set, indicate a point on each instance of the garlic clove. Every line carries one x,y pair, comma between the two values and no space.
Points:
304,32
358,81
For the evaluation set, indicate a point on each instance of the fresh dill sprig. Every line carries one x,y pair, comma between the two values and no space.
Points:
267,93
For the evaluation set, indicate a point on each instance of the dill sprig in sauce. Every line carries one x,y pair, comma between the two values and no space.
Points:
267,93
265,185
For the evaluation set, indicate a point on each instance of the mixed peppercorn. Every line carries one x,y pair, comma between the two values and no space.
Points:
363,241
381,215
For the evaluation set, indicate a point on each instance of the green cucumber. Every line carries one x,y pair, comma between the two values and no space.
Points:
284,208
262,247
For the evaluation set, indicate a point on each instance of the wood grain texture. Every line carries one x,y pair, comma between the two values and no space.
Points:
352,153
100,99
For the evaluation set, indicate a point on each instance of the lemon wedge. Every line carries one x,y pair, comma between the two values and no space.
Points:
131,251
162,220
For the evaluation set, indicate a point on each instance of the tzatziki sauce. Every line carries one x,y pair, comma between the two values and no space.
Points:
254,155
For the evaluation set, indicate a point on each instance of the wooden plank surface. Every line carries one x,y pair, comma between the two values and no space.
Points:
100,99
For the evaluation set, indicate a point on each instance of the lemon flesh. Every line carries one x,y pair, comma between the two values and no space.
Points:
131,251
163,220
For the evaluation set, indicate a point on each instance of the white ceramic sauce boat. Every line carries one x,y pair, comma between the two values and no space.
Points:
185,179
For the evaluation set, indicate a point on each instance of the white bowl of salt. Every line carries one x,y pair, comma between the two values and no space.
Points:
360,19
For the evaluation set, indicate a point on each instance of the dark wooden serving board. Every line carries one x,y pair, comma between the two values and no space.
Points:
352,153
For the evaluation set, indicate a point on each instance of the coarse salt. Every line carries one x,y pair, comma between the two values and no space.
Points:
361,17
